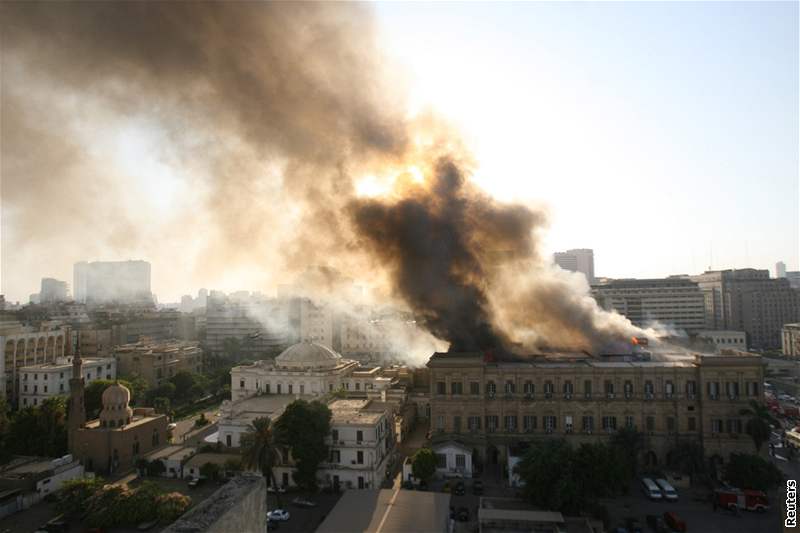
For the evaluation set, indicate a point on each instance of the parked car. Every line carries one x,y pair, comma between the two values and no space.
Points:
669,492
477,487
463,514
278,515
650,489
675,522
633,525
459,489
656,523
302,502
194,481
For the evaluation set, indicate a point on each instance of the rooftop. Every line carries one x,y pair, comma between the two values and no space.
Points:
354,412
388,511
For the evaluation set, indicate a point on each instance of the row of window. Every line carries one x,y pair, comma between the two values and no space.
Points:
60,385
549,423
335,457
61,374
359,436
302,388
609,388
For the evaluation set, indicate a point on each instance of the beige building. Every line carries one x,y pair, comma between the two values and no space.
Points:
22,347
491,406
156,362
39,382
790,340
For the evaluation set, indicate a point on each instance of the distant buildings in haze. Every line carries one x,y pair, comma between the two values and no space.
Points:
577,260
780,269
112,281
53,290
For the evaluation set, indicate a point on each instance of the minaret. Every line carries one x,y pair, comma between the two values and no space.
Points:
77,410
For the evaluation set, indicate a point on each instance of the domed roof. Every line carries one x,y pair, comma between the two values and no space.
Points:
308,355
116,394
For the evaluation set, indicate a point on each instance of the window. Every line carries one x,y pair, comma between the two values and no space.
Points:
228,440
461,460
474,423
568,424
511,423
733,389
609,423
358,386
441,387
668,389
266,388
291,387
650,424
303,388
456,387
475,388
457,424
588,423
628,388
549,423
439,422
649,390
670,424
716,425
335,435
752,388
609,387
45,388
336,456
527,388
692,423
713,389
280,386
548,389
61,387
491,423
241,383
441,460
567,389
359,436
491,388
691,388
510,387
360,457
587,388
630,422
528,423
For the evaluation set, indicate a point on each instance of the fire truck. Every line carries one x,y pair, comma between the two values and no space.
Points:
751,500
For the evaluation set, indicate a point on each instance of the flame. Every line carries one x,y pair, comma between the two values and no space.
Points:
634,341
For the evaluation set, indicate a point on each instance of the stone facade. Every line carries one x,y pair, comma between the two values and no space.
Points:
491,406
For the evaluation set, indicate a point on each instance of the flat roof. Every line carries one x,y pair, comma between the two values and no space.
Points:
388,511
354,412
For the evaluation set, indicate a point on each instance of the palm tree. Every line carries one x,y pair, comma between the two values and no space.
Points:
758,425
259,451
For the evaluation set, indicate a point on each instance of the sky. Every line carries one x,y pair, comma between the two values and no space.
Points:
662,135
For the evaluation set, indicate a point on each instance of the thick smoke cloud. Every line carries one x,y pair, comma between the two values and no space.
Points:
271,113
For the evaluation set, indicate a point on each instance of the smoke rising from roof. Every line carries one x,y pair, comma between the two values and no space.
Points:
271,112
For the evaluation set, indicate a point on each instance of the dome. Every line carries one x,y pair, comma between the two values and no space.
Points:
308,356
116,412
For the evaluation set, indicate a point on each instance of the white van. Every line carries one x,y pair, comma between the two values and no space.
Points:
650,489
668,490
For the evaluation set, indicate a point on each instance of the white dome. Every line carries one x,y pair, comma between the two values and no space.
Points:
307,356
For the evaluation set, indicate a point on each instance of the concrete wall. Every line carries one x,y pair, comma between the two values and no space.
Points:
239,505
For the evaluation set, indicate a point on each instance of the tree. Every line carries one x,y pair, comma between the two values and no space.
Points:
688,457
5,453
629,443
552,480
423,464
758,423
171,506
161,404
210,471
183,382
156,467
259,451
303,427
750,471
201,421
75,494
40,430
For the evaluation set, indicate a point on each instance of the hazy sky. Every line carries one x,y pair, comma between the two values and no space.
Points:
662,135
657,134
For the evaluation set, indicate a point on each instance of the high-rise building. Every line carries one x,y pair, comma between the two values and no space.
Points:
749,300
577,260
794,279
112,281
52,291
780,269
674,302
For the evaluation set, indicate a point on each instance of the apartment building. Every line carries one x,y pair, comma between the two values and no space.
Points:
577,260
492,405
790,340
252,329
157,361
749,300
22,346
725,340
112,281
46,380
673,302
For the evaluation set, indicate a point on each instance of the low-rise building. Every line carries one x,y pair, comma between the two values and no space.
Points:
236,417
173,458
489,405
46,380
192,468
157,361
725,340
33,478
790,340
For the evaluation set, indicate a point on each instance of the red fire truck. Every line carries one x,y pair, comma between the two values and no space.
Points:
751,500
